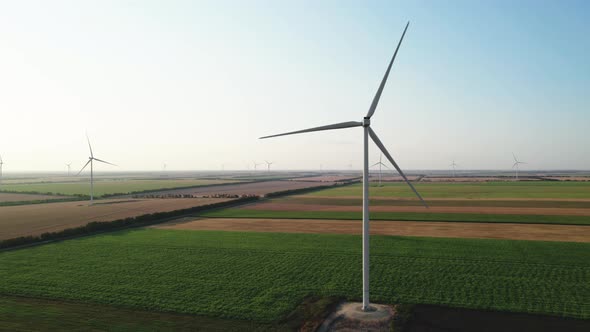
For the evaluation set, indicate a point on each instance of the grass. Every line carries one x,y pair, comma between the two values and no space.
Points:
401,216
263,276
104,187
523,189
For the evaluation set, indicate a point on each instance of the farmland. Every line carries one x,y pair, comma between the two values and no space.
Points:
108,186
422,228
480,190
253,188
16,197
262,276
36,219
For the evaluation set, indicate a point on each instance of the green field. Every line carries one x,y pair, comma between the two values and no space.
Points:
401,216
263,276
523,189
104,187
351,201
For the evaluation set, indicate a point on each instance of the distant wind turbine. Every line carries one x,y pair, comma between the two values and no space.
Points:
453,165
515,165
90,161
1,164
268,165
68,166
367,131
380,164
256,165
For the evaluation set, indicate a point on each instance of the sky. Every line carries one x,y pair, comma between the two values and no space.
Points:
193,84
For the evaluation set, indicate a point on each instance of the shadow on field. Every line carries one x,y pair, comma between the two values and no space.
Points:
429,318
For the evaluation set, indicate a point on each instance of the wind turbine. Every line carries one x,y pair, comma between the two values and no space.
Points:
268,165
380,164
367,131
516,162
90,161
1,163
256,165
68,166
453,165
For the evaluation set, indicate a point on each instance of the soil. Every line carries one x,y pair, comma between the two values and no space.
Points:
429,318
36,219
405,228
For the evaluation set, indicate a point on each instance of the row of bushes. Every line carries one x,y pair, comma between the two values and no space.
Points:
96,227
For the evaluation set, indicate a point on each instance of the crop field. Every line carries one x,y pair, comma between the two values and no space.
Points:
262,276
16,197
390,203
110,186
480,190
535,232
252,188
36,219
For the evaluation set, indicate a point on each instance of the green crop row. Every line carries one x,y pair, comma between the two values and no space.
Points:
263,276
401,216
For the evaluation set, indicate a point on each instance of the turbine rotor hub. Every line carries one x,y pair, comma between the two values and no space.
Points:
366,122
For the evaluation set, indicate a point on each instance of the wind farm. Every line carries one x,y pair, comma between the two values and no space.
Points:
203,206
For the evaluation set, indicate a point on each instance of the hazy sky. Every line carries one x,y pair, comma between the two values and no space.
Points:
193,84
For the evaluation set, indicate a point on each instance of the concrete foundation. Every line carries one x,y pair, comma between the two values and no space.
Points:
350,317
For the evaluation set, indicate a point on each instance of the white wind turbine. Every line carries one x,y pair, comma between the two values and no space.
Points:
256,165
380,164
453,165
515,165
268,165
1,164
90,161
69,166
367,131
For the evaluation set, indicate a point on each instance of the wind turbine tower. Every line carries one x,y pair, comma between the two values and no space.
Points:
515,165
90,161
380,164
1,164
367,132
453,165
68,166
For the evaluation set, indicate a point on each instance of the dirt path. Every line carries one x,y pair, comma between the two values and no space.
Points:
278,206
406,228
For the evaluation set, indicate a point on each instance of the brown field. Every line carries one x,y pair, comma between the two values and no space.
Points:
389,178
13,197
36,219
285,206
256,188
403,228
327,178
473,179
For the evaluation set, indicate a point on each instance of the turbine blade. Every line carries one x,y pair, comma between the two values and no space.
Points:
89,146
375,164
341,125
390,158
102,161
513,156
382,164
382,85
88,162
